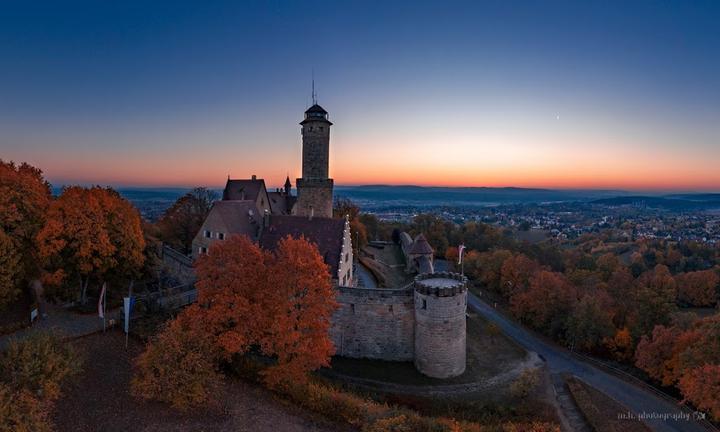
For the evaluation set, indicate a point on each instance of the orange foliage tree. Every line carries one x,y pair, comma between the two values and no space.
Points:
698,288
546,303
280,303
9,270
300,311
673,352
179,366
701,387
657,355
515,274
91,233
24,199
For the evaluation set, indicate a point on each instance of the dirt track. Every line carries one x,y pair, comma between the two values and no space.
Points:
99,400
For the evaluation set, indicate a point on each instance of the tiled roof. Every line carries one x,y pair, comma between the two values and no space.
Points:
421,246
281,203
326,233
238,217
243,189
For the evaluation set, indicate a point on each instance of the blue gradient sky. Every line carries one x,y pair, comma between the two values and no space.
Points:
552,94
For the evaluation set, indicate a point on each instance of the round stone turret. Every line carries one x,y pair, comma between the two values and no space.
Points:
440,306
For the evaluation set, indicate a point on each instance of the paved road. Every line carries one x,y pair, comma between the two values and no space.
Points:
637,399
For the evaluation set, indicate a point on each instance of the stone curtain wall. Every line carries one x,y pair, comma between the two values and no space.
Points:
374,323
177,265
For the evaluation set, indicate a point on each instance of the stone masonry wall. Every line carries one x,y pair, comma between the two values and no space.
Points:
316,150
374,323
316,195
440,328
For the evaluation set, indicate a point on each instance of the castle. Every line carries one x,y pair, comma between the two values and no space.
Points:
422,322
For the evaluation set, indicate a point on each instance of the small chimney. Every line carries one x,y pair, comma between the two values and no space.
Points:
312,213
254,177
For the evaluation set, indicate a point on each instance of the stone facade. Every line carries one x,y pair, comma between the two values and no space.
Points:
440,324
315,198
375,323
315,188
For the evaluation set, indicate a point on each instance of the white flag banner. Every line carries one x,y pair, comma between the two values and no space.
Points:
461,252
101,303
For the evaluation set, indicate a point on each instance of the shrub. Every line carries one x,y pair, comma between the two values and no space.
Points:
525,383
38,365
20,411
178,366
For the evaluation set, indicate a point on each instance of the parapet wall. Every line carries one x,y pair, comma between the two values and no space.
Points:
374,323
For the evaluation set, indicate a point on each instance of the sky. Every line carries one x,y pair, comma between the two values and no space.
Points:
557,94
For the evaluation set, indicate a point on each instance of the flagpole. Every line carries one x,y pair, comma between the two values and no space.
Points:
104,304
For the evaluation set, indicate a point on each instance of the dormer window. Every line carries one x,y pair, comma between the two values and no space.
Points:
221,236
208,234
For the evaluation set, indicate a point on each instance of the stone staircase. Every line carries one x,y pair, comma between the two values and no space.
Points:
569,409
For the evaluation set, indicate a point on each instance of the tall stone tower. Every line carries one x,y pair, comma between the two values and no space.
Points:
315,188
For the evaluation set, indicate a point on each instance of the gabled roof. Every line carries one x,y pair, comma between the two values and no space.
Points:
328,234
237,217
421,246
281,203
243,189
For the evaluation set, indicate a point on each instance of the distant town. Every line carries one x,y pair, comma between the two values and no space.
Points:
542,214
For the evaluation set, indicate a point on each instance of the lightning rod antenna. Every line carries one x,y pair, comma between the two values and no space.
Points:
314,96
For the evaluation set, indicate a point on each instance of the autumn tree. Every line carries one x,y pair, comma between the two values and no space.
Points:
278,303
621,287
698,288
590,322
31,374
9,270
301,309
606,265
24,199
701,387
621,346
179,365
487,268
182,221
546,303
436,230
654,299
344,207
657,355
91,233
673,351
515,274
